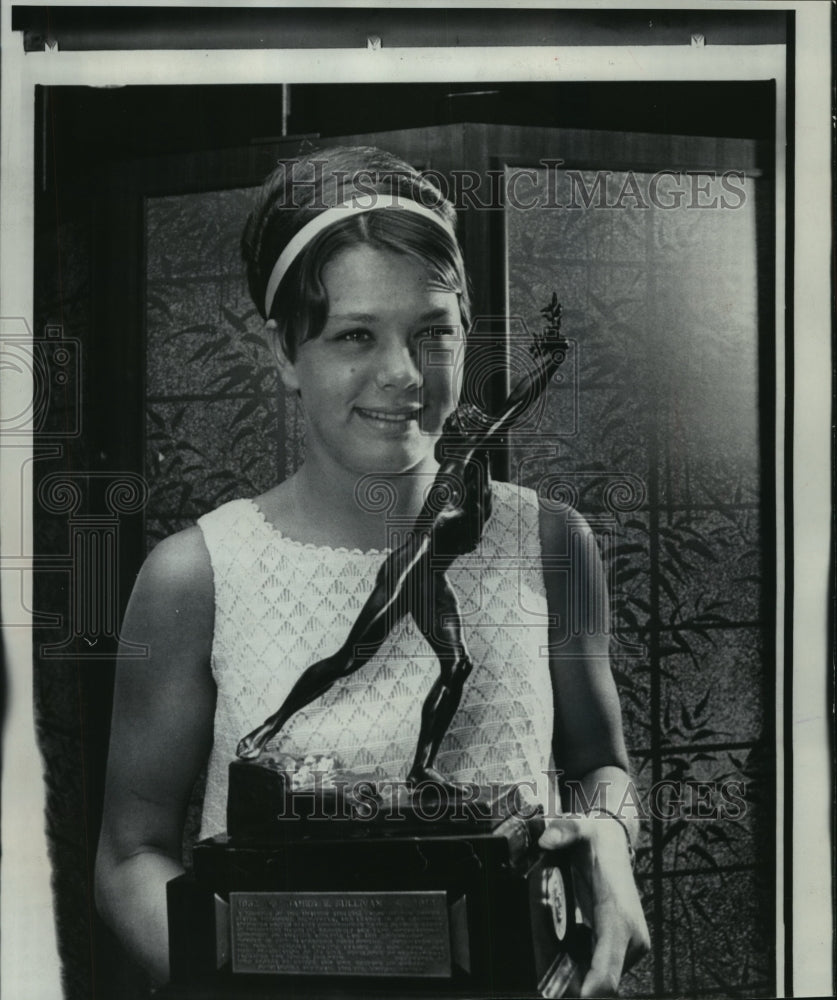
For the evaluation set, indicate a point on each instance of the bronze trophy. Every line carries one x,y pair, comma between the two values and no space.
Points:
326,876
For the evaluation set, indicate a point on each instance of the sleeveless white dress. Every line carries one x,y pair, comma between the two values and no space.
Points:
281,606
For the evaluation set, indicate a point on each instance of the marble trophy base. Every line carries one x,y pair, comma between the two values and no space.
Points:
375,893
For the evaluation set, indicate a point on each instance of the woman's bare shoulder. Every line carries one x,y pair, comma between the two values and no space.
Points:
175,588
558,523
180,558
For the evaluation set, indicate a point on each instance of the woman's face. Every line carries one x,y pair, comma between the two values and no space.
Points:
378,382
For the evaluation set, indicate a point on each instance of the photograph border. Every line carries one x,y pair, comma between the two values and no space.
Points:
802,70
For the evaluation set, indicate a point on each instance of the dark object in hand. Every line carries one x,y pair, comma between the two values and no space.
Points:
458,910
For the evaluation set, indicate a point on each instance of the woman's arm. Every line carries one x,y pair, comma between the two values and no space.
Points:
590,749
163,713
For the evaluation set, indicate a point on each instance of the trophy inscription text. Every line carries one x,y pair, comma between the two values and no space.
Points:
345,933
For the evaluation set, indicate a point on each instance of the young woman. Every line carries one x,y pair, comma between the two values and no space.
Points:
353,261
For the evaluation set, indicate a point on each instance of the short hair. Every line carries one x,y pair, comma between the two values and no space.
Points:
300,189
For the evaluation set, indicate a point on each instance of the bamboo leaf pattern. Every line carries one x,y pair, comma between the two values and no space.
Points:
684,567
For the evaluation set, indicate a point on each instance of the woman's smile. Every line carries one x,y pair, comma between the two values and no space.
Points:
391,421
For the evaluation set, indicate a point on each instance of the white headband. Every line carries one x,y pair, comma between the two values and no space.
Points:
300,240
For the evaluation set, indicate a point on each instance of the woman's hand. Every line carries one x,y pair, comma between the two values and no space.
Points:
607,895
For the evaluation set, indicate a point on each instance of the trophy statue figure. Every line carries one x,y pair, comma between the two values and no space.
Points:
449,524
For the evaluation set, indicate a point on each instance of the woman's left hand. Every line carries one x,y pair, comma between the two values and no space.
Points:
607,895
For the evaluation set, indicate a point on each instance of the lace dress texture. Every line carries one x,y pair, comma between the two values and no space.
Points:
281,606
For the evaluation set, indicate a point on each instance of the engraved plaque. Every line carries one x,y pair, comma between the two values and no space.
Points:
341,933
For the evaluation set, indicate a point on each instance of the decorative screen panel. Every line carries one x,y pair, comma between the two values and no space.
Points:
657,276
218,425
